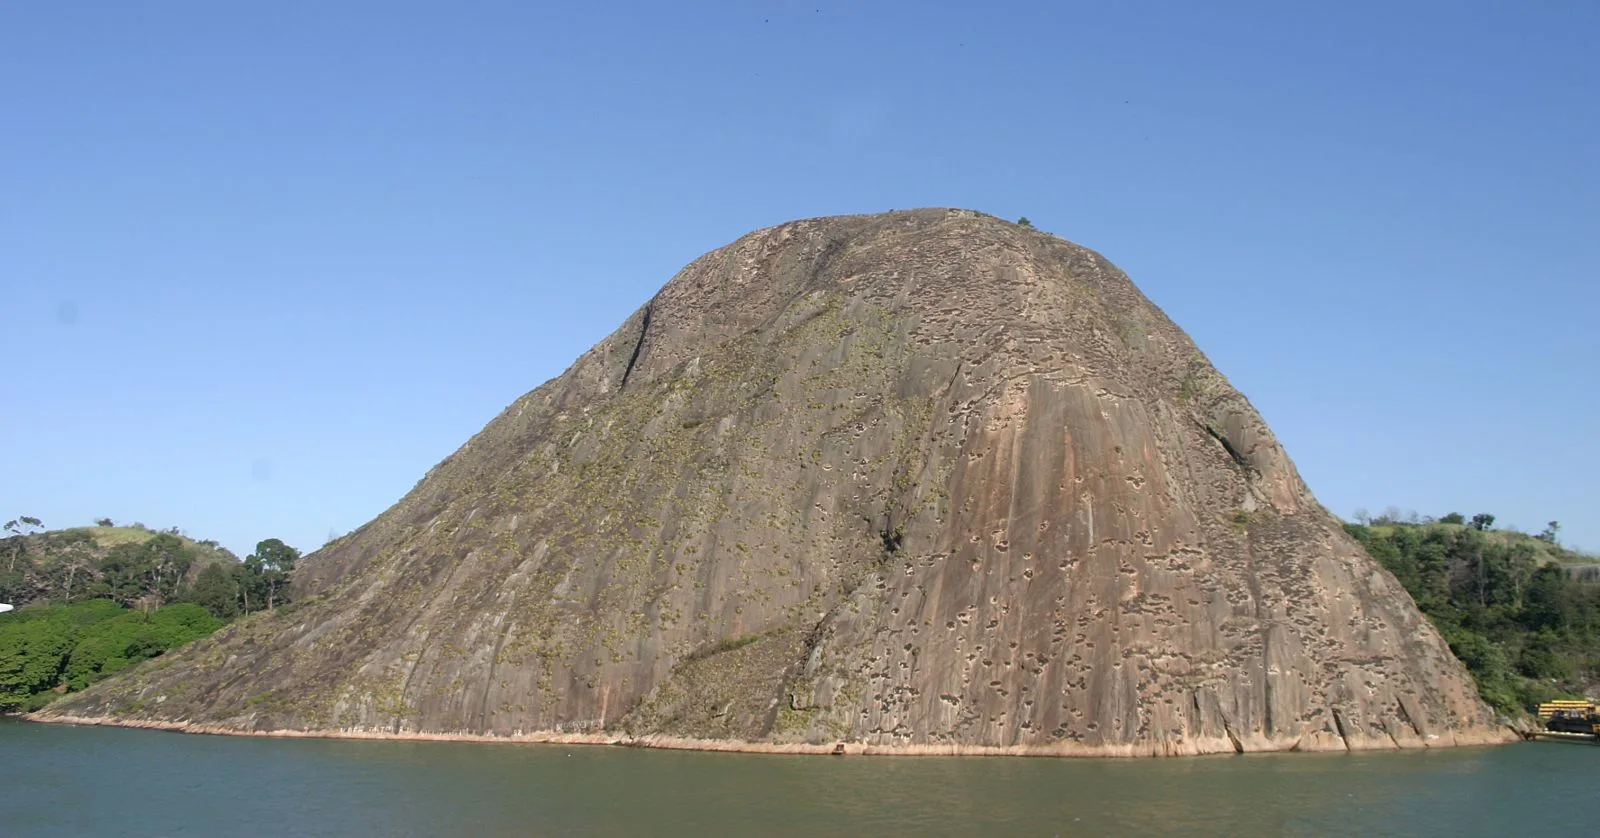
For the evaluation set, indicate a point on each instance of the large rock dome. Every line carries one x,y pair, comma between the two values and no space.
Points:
923,480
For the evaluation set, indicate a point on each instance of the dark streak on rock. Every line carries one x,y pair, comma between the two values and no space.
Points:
644,330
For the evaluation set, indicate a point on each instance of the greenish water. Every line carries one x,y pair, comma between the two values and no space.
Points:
72,781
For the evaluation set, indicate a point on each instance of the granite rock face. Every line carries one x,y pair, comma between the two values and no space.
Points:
923,480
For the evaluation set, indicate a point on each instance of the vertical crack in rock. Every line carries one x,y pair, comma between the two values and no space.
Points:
1392,738
1405,716
1241,460
1227,727
1338,724
644,330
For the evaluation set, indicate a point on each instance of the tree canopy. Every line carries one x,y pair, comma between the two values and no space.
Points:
46,651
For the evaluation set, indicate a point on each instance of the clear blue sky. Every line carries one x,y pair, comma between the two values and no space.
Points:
264,264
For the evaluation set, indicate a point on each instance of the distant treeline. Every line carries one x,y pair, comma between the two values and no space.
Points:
96,600
1517,609
137,566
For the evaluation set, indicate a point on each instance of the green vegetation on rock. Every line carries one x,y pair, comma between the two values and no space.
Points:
1517,609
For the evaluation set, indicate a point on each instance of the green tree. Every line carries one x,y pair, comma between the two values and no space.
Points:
71,565
168,560
1452,518
271,564
1548,604
150,572
23,525
32,654
217,591
114,645
123,572
1542,657
1482,521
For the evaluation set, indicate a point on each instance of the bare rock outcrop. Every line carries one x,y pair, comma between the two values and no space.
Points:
924,480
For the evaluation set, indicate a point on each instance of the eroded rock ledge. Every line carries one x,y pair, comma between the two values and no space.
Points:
1474,738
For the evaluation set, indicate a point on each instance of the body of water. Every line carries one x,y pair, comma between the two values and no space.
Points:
84,781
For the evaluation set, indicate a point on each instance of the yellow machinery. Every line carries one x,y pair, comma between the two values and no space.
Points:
1570,717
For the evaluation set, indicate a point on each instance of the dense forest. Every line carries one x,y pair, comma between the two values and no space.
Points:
47,651
1520,611
95,600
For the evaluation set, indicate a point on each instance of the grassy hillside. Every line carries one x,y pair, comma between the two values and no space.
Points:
205,551
1522,612
69,564
1540,551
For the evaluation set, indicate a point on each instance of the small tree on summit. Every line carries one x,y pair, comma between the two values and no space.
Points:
23,525
1024,222
1482,521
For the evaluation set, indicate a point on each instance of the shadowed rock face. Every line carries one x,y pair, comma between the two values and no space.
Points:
917,479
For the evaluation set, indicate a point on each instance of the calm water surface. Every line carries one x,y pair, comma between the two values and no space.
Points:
72,781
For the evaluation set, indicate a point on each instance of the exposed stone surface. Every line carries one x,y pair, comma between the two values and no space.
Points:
923,480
